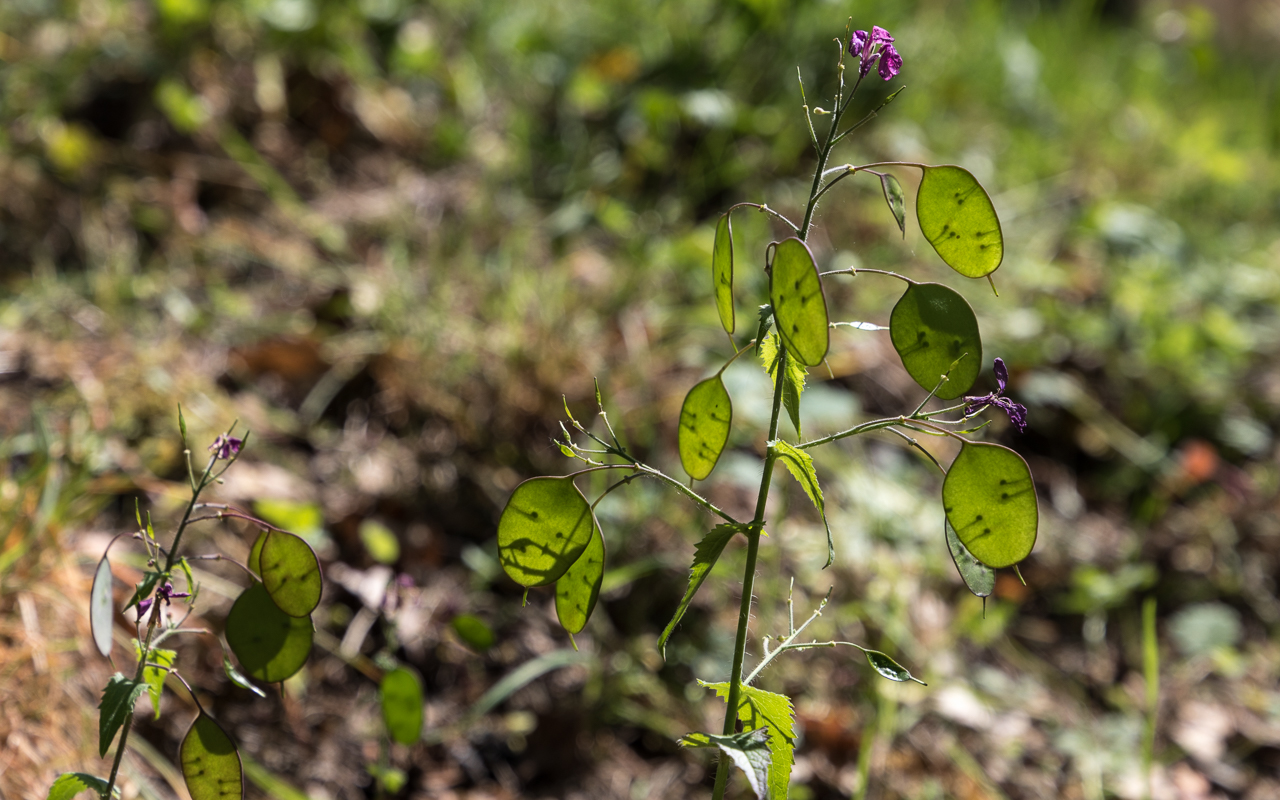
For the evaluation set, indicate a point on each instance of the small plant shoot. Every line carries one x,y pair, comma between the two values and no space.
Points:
548,533
268,629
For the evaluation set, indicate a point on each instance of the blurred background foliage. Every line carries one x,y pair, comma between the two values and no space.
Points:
387,236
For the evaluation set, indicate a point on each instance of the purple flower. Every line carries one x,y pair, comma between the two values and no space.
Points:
225,447
1017,411
165,593
873,47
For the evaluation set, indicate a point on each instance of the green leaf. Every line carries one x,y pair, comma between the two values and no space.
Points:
154,677
70,784
144,589
291,573
182,426
792,383
473,630
401,694
760,709
956,216
101,607
236,677
896,200
578,589
543,530
932,327
705,556
270,644
889,668
380,541
990,500
118,700
749,752
722,272
705,419
799,303
800,465
210,762
980,578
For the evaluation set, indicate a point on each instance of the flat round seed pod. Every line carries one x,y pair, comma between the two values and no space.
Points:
269,644
932,328
578,589
958,219
990,500
101,607
705,419
799,303
210,762
291,573
722,272
544,529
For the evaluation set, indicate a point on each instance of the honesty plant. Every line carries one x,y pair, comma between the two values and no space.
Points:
268,630
548,533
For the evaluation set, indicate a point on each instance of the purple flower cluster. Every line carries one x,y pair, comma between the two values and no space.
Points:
225,447
165,593
873,47
1017,411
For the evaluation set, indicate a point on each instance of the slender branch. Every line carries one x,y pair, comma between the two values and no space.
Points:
855,271
764,208
786,643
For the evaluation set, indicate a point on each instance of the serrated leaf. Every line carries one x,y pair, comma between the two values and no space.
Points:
958,219
705,556
118,699
101,607
705,419
270,645
291,573
70,784
578,589
722,272
792,383
800,465
144,589
210,762
760,709
154,677
401,696
544,528
990,500
238,678
980,578
932,327
896,200
799,302
889,668
749,752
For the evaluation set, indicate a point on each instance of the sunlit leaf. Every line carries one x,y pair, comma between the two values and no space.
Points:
749,752
705,556
896,200
291,573
980,578
101,607
705,419
543,530
270,644
144,589
722,272
235,676
932,327
118,699
990,500
154,677
792,383
210,762
799,303
70,784
255,553
958,219
889,668
578,588
473,630
800,465
401,695
380,541
760,709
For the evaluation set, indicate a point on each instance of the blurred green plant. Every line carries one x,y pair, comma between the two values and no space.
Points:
549,535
